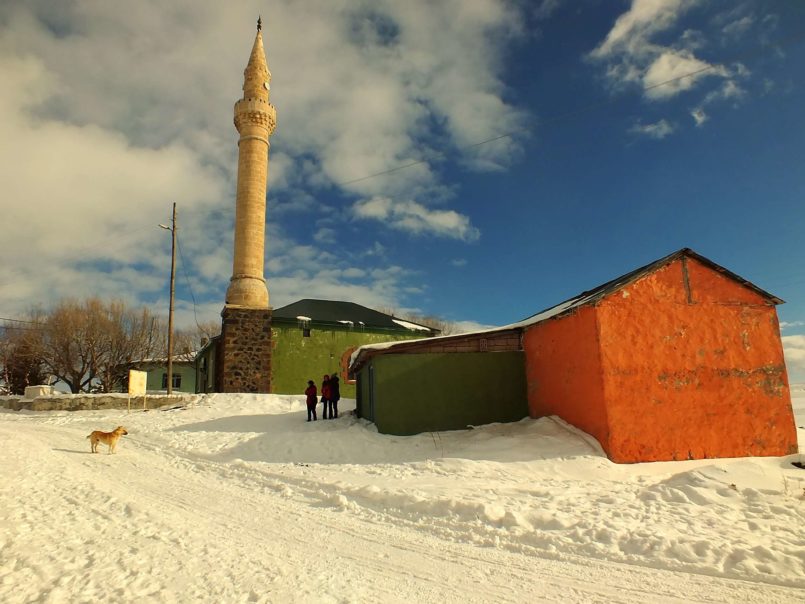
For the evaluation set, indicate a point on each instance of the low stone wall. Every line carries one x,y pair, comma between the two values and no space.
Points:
7,402
85,402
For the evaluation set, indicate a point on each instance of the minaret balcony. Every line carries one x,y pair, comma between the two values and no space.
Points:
255,112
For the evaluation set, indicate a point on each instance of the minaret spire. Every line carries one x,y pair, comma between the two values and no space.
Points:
255,120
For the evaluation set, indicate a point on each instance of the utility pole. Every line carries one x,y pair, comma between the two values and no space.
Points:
172,229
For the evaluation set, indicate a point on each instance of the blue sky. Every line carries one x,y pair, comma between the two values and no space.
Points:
619,131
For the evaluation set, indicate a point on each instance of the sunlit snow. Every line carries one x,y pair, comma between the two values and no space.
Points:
236,498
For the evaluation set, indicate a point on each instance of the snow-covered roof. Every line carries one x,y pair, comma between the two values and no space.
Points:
183,357
409,325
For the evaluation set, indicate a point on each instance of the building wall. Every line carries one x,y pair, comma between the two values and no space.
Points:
693,368
205,370
186,370
297,359
416,393
563,372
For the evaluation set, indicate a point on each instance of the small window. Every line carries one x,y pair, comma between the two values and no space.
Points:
306,332
177,380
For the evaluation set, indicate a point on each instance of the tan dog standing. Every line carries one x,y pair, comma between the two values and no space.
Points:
108,438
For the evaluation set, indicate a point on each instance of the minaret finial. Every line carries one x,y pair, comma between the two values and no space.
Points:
259,22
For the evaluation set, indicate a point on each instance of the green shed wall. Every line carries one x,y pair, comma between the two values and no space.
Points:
431,392
296,359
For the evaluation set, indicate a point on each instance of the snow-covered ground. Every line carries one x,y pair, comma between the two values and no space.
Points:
236,498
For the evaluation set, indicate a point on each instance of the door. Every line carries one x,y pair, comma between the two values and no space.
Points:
371,411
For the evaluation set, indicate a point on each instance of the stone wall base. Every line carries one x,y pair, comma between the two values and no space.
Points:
91,402
244,350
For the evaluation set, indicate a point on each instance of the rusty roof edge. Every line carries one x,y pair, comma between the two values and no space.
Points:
367,351
586,298
594,295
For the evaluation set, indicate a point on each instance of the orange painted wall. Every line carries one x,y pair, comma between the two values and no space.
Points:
563,372
692,374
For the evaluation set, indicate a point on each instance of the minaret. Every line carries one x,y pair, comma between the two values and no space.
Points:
255,120
243,358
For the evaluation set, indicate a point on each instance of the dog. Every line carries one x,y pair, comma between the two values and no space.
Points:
108,438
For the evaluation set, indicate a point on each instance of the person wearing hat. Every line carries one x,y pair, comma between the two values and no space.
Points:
310,392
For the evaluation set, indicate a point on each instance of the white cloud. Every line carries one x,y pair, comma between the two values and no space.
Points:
325,235
459,262
699,116
470,326
729,90
81,202
738,27
662,71
794,351
790,324
631,32
673,72
658,130
415,218
112,115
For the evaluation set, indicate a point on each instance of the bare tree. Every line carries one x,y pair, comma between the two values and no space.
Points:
191,340
68,337
20,358
127,336
90,345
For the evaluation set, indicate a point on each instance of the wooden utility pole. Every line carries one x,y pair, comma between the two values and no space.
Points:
172,229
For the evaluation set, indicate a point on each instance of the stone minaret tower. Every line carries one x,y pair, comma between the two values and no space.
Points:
244,358
255,119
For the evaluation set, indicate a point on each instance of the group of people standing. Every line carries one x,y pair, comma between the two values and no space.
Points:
330,395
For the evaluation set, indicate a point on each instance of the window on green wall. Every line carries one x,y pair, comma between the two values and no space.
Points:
177,380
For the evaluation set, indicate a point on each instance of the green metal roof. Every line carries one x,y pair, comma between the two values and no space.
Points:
347,314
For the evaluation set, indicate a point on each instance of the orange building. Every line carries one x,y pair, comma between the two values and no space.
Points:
680,359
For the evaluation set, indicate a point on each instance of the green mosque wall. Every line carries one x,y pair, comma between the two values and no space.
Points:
295,359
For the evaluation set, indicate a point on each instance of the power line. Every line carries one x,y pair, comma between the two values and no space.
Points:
187,280
585,109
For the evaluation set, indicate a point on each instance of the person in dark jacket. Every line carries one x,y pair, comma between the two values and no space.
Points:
325,396
335,396
310,392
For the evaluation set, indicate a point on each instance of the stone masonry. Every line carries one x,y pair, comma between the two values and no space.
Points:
244,364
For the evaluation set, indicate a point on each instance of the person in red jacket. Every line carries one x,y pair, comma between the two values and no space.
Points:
325,395
310,392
